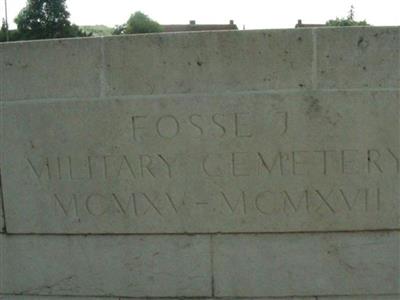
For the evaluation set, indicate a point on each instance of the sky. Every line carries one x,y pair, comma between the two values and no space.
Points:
251,14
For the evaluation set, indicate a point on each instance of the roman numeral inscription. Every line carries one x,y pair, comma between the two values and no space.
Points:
205,164
139,205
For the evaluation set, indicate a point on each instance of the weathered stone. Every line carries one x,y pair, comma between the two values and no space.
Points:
47,69
245,163
2,224
211,132
364,297
18,297
381,297
134,266
208,62
359,57
2,263
306,264
8,297
269,298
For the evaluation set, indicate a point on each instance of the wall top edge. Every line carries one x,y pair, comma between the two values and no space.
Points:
202,32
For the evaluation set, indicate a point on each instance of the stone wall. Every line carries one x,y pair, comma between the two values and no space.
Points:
239,164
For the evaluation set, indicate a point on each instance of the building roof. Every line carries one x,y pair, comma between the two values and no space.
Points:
300,24
192,26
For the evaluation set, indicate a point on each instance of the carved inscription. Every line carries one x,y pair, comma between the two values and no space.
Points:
261,163
301,162
266,202
216,125
229,168
83,168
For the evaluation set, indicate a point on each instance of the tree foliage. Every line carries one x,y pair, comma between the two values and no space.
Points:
138,23
13,35
348,21
97,30
46,19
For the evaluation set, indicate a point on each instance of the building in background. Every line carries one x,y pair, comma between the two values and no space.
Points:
300,24
192,26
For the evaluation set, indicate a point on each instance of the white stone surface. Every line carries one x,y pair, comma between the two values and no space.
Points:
53,68
358,57
306,264
1,213
2,223
16,297
269,298
381,297
364,297
2,264
108,298
135,266
210,132
208,62
227,163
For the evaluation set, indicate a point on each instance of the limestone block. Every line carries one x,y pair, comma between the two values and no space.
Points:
2,227
269,298
2,224
12,297
306,264
252,162
47,69
206,62
2,263
18,297
130,266
364,297
359,57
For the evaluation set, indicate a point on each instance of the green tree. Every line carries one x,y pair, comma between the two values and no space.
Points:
3,31
13,35
97,30
348,21
46,19
138,23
